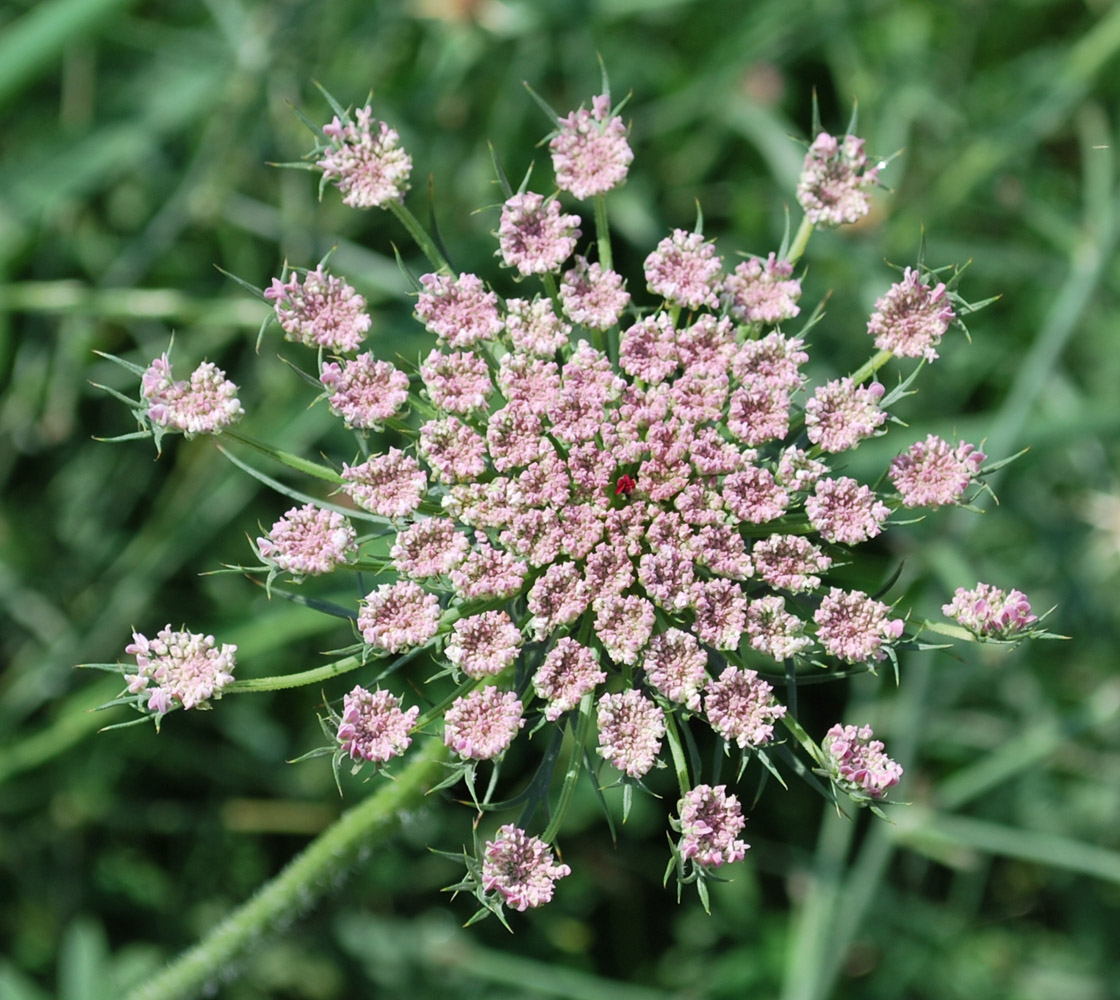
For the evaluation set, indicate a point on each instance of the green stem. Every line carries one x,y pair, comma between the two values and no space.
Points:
603,233
575,766
680,765
800,241
316,675
306,877
423,240
286,458
871,366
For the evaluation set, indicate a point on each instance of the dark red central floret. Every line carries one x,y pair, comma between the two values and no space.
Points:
625,486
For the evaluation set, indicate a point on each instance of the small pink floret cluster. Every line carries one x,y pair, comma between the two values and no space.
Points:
859,761
590,154
835,180
319,311
373,727
710,822
204,405
520,868
933,473
364,161
989,612
179,668
309,541
911,318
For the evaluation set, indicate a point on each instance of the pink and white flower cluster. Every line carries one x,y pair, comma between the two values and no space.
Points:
183,669
626,510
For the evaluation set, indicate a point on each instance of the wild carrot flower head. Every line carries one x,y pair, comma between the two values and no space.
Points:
990,613
590,154
605,511
309,541
834,181
319,311
179,668
364,161
204,405
859,762
373,727
710,823
520,868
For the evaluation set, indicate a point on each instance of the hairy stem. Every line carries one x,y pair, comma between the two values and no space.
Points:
305,878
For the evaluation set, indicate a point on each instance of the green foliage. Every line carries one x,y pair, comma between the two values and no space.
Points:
137,143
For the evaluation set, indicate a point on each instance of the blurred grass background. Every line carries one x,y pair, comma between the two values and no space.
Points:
134,158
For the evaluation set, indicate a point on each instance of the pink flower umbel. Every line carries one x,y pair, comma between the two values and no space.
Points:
844,511
483,645
320,311
990,613
568,672
373,727
933,473
841,414
204,405
398,616
910,320
364,392
184,668
482,724
677,666
685,271
853,627
458,310
790,562
858,762
593,296
585,509
533,236
364,161
309,541
834,181
762,291
590,154
710,823
520,868
391,485
740,707
773,630
630,731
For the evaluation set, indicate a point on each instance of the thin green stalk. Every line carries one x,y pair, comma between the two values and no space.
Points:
680,765
800,241
603,233
575,766
871,366
426,244
304,879
316,675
